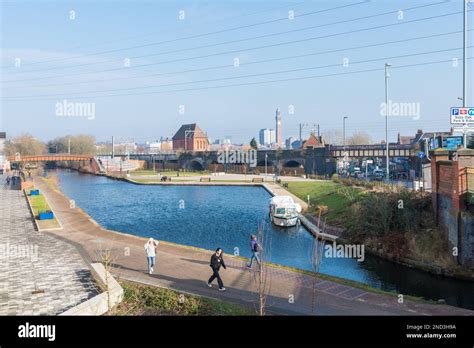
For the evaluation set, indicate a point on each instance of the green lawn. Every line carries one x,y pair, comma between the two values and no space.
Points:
326,193
141,299
143,172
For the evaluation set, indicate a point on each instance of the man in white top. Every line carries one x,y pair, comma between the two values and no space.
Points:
150,249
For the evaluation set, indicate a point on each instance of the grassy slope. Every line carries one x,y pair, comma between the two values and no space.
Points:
325,193
149,300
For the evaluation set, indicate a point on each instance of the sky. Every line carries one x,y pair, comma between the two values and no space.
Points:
143,68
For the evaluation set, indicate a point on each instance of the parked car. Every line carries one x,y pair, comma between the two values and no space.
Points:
378,174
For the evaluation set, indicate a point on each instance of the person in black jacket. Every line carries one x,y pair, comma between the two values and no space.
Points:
216,262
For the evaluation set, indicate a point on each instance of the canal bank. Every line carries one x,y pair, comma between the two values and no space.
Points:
185,269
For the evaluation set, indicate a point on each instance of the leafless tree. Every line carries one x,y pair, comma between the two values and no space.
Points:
106,255
262,276
316,260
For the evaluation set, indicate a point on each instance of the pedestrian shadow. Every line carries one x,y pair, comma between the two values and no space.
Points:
196,261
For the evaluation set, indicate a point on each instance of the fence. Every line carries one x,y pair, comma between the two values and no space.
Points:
470,185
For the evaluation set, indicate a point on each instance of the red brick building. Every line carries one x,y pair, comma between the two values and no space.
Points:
313,142
190,138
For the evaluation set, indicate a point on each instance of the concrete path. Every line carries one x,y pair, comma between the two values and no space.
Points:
32,261
186,269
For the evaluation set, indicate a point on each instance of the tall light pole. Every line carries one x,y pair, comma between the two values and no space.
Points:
344,142
387,159
266,157
464,65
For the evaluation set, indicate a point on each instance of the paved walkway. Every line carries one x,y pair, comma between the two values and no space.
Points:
186,269
32,261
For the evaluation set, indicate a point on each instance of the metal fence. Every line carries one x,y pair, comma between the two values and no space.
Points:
470,185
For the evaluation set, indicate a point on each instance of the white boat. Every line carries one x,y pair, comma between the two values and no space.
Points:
284,211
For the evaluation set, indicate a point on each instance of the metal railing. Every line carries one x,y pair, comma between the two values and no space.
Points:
470,185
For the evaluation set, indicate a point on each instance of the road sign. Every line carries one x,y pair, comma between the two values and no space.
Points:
462,115
421,154
452,143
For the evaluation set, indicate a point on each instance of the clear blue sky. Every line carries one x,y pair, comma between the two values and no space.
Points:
42,30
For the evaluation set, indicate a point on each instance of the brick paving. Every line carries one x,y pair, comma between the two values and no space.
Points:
34,261
186,269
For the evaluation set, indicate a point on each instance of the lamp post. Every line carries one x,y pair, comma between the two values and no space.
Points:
464,66
344,142
387,159
266,157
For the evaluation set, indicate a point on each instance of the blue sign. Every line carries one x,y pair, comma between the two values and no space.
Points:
421,154
462,115
452,143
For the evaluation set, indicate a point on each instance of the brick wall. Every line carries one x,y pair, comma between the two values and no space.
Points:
449,190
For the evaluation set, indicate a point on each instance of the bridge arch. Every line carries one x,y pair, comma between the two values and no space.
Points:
196,164
293,164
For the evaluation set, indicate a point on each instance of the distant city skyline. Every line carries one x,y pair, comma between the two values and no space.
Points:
139,70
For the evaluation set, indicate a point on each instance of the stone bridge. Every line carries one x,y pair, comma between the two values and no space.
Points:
309,161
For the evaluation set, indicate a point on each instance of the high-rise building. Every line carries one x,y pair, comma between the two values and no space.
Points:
3,137
266,136
279,134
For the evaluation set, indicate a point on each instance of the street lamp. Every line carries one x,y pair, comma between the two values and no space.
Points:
266,157
464,66
387,65
344,142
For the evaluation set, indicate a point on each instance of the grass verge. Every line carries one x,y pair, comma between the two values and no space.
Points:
335,196
142,299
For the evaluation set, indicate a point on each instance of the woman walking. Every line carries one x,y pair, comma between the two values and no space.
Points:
216,262
150,250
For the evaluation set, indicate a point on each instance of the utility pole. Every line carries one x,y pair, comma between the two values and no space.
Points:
344,143
266,157
301,138
464,66
387,65
113,147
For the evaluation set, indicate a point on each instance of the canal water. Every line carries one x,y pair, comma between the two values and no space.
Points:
224,216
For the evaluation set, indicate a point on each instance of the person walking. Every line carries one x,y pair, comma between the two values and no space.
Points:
255,249
8,180
216,262
150,250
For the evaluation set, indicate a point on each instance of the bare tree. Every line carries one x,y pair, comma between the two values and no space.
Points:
262,276
25,145
106,255
333,137
359,138
316,260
